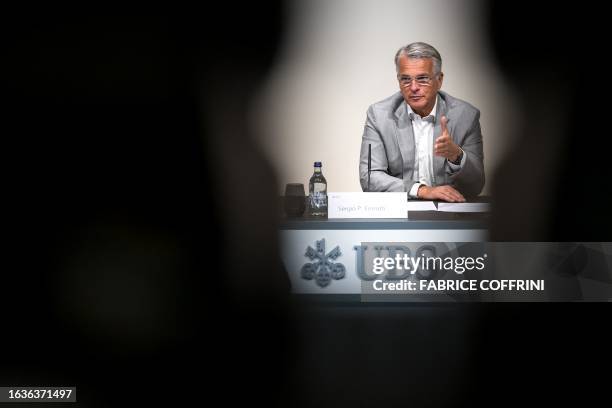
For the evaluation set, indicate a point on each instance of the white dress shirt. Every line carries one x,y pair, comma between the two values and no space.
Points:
423,129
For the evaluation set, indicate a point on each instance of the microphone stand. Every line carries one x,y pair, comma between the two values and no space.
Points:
369,164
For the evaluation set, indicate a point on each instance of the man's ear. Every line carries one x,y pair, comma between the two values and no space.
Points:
441,78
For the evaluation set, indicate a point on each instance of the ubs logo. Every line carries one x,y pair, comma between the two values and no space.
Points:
322,269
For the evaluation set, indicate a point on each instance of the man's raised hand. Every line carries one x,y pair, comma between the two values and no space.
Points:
444,145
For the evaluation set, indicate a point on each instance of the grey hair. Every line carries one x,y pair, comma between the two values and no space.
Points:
420,50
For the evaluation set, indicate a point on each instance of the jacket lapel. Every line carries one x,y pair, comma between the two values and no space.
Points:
405,140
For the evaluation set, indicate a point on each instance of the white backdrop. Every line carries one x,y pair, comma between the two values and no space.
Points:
337,59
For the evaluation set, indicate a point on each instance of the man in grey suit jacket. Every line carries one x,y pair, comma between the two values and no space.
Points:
423,140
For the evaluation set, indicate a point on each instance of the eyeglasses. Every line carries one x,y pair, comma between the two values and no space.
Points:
423,80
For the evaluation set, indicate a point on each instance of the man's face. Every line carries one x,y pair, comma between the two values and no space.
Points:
420,92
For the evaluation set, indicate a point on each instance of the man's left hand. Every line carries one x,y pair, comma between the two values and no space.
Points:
444,145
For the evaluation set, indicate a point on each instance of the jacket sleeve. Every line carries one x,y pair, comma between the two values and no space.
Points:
471,178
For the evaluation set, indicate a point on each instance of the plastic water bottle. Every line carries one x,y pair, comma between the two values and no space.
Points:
317,198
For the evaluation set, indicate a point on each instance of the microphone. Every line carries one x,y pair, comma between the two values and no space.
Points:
369,163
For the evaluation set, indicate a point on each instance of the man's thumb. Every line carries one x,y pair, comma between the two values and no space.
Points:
443,123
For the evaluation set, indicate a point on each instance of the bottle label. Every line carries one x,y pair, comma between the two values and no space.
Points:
318,200
319,188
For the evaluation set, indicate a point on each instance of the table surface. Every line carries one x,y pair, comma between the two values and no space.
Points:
415,220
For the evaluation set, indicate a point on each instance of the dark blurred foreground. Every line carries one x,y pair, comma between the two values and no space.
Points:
140,270
134,271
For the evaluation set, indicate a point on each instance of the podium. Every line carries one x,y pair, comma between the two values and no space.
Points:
337,244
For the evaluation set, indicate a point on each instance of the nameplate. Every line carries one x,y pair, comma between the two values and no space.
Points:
367,205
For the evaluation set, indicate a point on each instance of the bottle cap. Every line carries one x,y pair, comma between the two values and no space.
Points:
317,164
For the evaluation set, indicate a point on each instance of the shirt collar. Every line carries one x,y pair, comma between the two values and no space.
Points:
429,118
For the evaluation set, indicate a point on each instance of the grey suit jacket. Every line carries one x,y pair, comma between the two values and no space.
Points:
388,129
